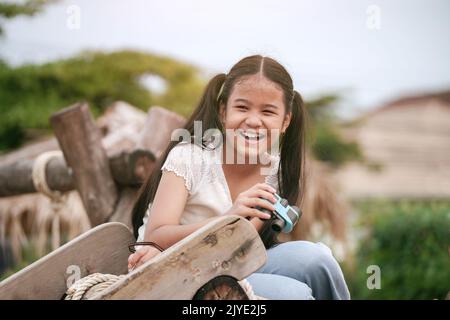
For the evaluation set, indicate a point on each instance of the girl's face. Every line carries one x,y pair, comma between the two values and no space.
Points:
254,116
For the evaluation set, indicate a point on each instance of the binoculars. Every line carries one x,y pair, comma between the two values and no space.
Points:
284,217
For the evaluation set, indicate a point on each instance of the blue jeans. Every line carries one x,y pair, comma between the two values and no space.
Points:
299,270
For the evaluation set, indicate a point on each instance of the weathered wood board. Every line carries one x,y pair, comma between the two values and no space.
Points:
229,246
102,249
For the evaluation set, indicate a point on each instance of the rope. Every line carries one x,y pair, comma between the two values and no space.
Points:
57,199
39,176
90,285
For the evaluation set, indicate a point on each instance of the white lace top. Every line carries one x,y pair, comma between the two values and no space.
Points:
208,192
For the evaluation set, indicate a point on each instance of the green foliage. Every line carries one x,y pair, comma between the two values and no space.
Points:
29,8
10,10
326,143
330,147
409,241
29,255
15,135
31,93
321,110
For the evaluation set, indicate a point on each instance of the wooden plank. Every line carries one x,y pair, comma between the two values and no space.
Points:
102,249
80,141
229,245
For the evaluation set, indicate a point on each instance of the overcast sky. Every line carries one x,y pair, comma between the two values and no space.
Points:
369,51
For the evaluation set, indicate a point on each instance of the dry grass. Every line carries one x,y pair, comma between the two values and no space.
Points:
29,220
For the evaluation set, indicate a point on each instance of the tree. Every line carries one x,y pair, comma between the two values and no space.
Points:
10,10
326,142
31,93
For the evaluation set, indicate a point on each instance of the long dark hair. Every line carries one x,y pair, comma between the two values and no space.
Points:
292,148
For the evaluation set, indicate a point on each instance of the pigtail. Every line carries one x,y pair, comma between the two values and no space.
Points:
207,110
292,154
292,165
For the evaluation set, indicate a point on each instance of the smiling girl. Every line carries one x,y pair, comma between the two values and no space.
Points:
261,122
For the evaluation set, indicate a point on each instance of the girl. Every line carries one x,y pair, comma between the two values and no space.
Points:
195,182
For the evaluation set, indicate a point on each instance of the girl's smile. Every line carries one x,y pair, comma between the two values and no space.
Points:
250,135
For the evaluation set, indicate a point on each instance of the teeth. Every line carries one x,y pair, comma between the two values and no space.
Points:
252,135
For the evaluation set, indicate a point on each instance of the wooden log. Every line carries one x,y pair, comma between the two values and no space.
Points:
227,246
158,129
129,169
16,178
132,168
80,141
103,249
121,124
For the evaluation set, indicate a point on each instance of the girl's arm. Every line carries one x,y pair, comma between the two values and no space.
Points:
163,226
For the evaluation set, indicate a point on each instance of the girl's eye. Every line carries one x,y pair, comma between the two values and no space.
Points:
241,108
268,112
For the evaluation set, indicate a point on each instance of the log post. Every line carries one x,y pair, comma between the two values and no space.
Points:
80,141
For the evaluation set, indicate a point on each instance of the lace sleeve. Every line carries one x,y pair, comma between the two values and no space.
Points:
180,161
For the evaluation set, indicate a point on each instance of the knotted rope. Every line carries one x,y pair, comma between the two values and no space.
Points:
57,199
91,285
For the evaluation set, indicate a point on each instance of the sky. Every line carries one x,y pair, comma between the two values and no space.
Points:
369,52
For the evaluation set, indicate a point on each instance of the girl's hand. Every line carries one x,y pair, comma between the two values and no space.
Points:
245,203
141,256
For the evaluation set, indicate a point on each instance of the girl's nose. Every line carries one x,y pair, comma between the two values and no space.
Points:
253,121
